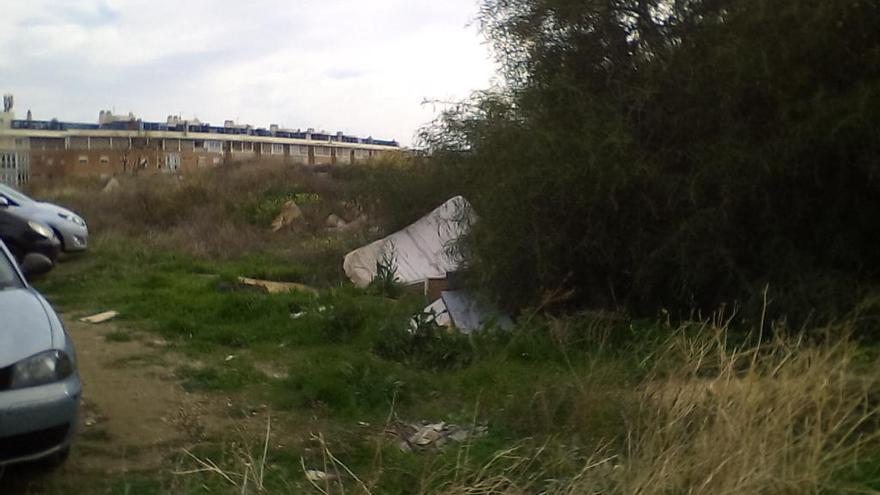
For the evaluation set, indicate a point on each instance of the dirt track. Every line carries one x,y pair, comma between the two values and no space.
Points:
135,414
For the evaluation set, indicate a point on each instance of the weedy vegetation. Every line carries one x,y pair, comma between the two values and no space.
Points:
676,200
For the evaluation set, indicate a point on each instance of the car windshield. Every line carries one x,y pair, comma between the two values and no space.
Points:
14,195
8,275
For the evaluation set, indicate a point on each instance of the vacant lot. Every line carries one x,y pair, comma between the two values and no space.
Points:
204,385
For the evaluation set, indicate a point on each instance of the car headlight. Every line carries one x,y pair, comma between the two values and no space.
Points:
47,367
41,229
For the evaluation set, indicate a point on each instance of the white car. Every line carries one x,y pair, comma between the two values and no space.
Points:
69,227
40,388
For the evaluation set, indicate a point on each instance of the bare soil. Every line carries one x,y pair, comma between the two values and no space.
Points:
135,415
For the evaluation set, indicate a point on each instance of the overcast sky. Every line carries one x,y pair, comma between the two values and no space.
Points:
359,66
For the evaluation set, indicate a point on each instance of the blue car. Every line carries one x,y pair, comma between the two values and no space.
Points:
40,388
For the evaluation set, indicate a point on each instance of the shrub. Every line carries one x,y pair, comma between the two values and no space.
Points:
424,344
656,154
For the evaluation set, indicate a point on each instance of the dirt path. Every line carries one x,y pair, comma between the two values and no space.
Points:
135,414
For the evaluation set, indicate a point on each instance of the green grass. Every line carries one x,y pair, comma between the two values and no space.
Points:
553,384
330,352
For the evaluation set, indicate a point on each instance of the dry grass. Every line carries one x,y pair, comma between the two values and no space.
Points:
218,213
783,417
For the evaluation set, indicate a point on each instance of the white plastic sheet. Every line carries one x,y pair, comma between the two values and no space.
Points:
420,250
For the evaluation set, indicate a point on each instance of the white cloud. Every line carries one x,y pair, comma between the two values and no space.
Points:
358,66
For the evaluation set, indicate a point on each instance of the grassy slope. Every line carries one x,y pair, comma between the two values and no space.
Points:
567,393
332,370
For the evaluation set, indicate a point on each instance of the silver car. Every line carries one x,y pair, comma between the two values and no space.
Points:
39,384
69,227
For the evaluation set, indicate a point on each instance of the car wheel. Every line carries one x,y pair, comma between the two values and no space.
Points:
57,459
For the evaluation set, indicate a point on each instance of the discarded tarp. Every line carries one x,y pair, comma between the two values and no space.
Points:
419,251
459,309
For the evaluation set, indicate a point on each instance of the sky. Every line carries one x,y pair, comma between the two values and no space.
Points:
364,67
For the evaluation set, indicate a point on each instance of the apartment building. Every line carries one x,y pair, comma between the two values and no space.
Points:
127,145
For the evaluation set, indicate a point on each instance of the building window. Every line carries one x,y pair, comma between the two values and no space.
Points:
322,151
361,153
214,146
298,149
277,149
105,160
83,159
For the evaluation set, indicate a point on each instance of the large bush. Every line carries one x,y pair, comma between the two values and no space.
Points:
682,154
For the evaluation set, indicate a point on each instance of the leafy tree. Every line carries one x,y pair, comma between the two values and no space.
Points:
674,153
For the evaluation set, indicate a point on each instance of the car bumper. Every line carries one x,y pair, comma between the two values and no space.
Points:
73,240
38,422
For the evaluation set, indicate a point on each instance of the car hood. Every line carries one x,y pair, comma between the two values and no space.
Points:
53,208
25,328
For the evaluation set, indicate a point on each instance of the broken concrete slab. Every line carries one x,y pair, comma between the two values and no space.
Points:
100,317
273,287
420,250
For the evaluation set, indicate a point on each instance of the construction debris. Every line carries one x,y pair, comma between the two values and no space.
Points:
290,213
100,317
424,435
273,287
461,310
420,251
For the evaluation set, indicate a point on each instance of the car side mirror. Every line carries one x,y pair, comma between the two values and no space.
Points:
4,201
35,264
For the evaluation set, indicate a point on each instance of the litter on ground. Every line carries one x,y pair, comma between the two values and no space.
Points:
316,475
276,287
425,435
100,317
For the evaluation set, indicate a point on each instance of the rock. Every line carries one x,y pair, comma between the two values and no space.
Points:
334,221
355,225
290,213
111,185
